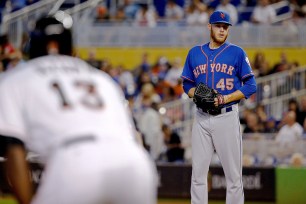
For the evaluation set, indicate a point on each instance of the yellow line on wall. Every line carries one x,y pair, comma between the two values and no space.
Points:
130,57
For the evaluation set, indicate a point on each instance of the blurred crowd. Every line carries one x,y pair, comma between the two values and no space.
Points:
191,12
150,85
196,12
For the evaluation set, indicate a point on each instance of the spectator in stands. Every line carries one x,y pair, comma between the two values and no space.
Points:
174,150
270,126
150,124
303,108
115,73
144,65
178,88
92,59
243,117
6,48
282,65
299,10
252,124
167,92
297,7
119,15
126,81
173,11
196,13
102,13
160,6
145,98
293,105
174,72
143,78
130,8
260,111
145,16
303,7
291,131
106,66
226,6
16,58
260,64
160,69
263,13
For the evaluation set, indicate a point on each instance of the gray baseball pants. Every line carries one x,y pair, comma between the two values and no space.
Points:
222,134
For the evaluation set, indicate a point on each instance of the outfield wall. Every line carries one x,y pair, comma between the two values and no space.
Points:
130,57
282,184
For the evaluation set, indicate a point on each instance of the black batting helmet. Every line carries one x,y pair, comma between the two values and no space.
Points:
52,28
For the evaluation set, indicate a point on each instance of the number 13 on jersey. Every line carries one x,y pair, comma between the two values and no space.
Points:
90,97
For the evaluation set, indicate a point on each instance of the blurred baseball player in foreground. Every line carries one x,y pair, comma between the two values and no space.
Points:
74,117
222,69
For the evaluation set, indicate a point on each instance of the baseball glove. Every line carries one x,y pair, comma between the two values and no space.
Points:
204,98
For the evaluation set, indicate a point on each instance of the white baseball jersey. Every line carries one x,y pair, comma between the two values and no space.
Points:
52,101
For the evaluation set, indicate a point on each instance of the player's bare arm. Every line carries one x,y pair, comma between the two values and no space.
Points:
18,173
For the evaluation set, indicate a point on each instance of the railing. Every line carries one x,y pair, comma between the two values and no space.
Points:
17,23
22,21
281,83
179,34
265,152
274,91
165,34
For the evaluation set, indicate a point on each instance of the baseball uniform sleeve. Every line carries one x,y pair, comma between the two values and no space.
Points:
249,87
11,119
187,71
244,65
247,76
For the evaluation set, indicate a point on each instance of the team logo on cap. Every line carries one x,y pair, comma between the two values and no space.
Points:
222,15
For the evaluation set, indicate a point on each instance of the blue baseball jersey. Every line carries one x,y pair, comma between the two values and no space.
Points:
223,69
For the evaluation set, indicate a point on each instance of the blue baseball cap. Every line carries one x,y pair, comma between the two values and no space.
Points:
219,17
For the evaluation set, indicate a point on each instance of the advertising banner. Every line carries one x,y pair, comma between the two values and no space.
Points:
175,181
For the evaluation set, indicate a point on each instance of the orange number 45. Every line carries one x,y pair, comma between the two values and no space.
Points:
225,83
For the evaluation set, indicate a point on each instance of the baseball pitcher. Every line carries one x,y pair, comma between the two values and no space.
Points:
217,75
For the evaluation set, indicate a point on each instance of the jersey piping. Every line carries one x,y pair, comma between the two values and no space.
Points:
206,63
213,74
245,76
187,78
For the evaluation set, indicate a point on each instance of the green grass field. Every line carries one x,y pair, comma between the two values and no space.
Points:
160,201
